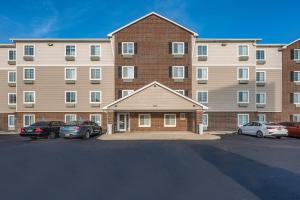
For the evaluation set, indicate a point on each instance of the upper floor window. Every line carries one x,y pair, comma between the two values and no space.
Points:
95,96
95,50
95,73
29,97
127,72
28,50
29,73
70,50
126,92
260,98
12,98
178,72
127,48
70,97
260,55
11,55
177,48
202,96
202,50
243,73
243,50
296,54
243,97
260,76
182,92
296,76
70,73
12,77
202,73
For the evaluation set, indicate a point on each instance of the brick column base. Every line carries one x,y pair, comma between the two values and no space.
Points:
110,119
197,120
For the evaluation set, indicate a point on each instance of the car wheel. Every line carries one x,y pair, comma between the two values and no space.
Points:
240,132
87,135
259,134
278,137
52,135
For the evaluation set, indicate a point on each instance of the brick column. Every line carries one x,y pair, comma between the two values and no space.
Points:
110,115
197,120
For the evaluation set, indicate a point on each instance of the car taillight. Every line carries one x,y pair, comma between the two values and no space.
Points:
22,130
38,130
77,128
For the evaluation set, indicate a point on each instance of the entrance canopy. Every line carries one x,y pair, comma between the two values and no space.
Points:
155,97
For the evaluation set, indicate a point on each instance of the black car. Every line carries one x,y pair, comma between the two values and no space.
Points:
80,129
42,129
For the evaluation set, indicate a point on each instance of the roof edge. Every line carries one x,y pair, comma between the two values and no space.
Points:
227,39
291,43
60,39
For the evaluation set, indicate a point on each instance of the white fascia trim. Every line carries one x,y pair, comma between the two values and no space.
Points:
284,47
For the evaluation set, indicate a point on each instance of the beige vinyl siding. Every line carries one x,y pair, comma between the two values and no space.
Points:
50,87
4,59
273,57
5,89
46,55
222,87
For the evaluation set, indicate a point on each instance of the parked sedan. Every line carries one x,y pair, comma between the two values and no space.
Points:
262,129
42,129
293,128
80,129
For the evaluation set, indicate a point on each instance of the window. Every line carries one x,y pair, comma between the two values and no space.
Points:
95,50
243,97
243,119
202,96
178,72
11,55
182,92
170,120
296,76
260,55
11,121
177,48
28,119
127,48
70,73
182,116
96,118
296,54
296,98
202,50
243,50
261,76
144,120
70,118
261,118
28,50
243,73
70,97
95,97
29,73
12,98
126,92
95,73
261,98
12,77
70,50
296,118
205,120
202,73
29,97
127,72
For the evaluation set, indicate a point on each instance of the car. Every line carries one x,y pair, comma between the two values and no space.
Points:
293,128
262,129
42,129
80,129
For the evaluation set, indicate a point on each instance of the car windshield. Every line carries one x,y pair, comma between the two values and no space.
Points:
41,124
75,123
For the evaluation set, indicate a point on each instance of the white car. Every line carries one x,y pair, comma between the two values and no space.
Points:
262,129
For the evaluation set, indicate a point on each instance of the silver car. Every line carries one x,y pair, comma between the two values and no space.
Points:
262,129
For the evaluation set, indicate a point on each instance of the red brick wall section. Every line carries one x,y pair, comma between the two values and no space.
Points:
3,121
198,120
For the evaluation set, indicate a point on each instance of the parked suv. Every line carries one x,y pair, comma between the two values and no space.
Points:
80,129
293,128
262,129
42,129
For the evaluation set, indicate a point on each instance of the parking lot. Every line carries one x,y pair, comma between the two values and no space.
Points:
233,167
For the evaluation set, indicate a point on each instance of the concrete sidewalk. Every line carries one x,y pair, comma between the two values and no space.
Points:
163,135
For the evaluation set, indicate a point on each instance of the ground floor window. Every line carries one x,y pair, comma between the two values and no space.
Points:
97,118
182,116
170,120
243,119
28,119
11,121
70,117
296,118
144,120
205,120
261,118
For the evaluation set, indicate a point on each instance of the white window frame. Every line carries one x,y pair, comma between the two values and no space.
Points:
296,116
182,92
95,79
294,72
66,97
247,91
24,94
265,76
100,117
261,114
198,55
165,125
264,54
296,50
205,125
28,115
100,50
238,74
183,67
15,54
173,44
131,67
263,103
9,76
75,117
8,124
33,50
71,45
98,91
28,79
8,95
147,125
238,119
296,93
197,97
126,43
128,91
72,79
238,52
197,73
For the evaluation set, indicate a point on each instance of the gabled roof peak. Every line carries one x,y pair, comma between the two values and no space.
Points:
291,43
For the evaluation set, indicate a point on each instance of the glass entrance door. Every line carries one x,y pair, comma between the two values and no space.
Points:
123,122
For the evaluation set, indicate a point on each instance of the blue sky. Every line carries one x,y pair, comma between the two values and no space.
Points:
274,21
